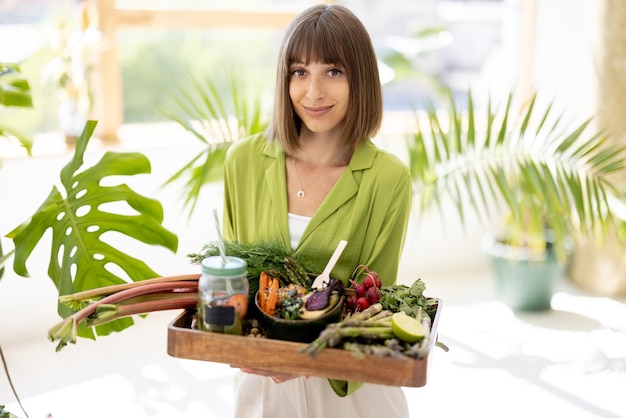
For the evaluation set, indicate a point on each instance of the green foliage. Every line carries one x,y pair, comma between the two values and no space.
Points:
14,89
271,257
4,413
403,55
547,174
407,299
215,121
14,92
80,255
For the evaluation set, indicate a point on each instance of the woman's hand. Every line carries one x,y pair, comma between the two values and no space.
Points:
276,377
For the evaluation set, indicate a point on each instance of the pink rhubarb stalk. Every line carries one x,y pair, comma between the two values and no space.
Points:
66,331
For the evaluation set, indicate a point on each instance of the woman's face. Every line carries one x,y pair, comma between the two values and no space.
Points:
319,95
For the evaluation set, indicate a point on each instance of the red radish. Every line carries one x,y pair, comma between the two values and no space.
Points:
377,281
362,303
359,289
368,282
373,295
351,303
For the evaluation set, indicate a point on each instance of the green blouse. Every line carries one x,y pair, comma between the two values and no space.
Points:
369,207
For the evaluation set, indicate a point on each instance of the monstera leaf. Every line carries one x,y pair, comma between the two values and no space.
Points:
79,221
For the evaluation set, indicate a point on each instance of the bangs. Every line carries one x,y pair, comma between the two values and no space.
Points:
315,42
329,34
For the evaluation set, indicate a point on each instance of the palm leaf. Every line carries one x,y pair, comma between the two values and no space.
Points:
540,171
216,122
80,226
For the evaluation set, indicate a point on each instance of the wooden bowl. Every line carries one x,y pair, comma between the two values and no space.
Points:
298,330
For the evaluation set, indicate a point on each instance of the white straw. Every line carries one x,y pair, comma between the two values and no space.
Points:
220,241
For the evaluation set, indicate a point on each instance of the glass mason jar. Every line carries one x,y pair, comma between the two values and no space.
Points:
223,295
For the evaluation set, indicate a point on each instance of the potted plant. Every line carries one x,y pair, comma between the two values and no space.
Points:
75,44
551,180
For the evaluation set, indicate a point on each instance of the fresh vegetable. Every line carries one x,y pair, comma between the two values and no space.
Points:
320,298
79,300
272,297
407,328
355,327
264,284
268,293
365,293
408,299
398,325
106,304
271,257
293,301
371,333
305,313
290,301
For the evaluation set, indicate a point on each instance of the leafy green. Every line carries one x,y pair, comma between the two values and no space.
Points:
408,299
269,256
80,225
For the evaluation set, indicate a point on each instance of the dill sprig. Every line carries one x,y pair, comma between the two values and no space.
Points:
271,257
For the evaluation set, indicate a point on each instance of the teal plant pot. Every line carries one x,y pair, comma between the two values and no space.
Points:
524,283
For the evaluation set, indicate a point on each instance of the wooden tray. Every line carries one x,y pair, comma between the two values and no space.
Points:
283,356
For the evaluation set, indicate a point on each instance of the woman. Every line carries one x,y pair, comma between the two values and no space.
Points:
314,179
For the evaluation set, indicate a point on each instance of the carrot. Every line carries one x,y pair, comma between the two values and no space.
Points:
263,286
272,298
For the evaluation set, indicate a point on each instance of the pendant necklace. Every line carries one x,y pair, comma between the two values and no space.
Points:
301,193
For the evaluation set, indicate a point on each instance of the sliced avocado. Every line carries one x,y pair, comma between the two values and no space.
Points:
305,314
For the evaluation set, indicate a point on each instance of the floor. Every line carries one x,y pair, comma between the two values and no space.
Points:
569,361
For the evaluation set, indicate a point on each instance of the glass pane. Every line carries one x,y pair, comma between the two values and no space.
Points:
422,45
155,64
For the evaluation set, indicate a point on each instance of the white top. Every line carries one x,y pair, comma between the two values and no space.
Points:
297,225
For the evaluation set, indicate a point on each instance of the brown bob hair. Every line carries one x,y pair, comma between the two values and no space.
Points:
329,34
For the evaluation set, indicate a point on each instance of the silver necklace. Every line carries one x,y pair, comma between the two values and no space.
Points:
301,193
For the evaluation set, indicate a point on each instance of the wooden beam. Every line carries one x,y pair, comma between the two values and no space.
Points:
202,18
109,107
109,98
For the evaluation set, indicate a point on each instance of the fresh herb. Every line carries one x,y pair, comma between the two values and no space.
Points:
271,257
407,299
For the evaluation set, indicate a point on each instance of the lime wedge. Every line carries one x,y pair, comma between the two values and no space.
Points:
406,328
